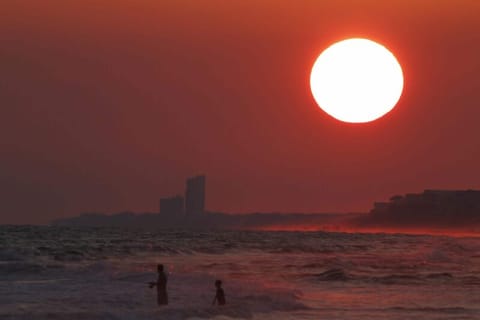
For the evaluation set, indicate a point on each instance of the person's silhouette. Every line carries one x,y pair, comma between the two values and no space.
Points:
220,294
161,283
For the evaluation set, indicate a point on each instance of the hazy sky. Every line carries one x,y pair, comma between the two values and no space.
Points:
108,105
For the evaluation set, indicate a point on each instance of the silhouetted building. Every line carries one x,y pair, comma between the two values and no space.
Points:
445,207
172,205
195,195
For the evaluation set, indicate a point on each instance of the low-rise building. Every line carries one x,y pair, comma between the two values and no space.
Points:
172,205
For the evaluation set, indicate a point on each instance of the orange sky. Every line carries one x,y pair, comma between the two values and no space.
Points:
107,105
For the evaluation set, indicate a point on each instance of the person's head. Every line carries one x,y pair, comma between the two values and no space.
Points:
160,268
218,283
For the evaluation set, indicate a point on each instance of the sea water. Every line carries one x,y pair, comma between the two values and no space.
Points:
102,273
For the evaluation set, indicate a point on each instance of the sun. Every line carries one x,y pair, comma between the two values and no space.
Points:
356,80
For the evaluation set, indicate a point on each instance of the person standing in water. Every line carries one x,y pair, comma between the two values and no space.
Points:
220,294
161,283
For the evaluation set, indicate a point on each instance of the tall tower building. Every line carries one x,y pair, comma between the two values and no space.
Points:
195,195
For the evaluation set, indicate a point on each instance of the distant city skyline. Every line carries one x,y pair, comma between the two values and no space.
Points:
432,211
192,203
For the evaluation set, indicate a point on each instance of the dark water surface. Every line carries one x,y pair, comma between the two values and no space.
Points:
101,273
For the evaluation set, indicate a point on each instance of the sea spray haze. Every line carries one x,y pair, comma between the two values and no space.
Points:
101,273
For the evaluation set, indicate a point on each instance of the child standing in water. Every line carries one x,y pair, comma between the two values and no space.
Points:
161,283
220,294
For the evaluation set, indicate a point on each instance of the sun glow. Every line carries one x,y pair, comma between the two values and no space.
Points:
356,80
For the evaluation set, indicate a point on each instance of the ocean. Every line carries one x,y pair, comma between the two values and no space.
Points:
102,273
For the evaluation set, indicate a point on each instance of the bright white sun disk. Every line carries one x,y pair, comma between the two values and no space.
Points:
356,80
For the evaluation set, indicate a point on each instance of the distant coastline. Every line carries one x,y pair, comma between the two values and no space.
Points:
213,220
432,211
331,222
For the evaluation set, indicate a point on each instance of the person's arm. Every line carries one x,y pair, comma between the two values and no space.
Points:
152,284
